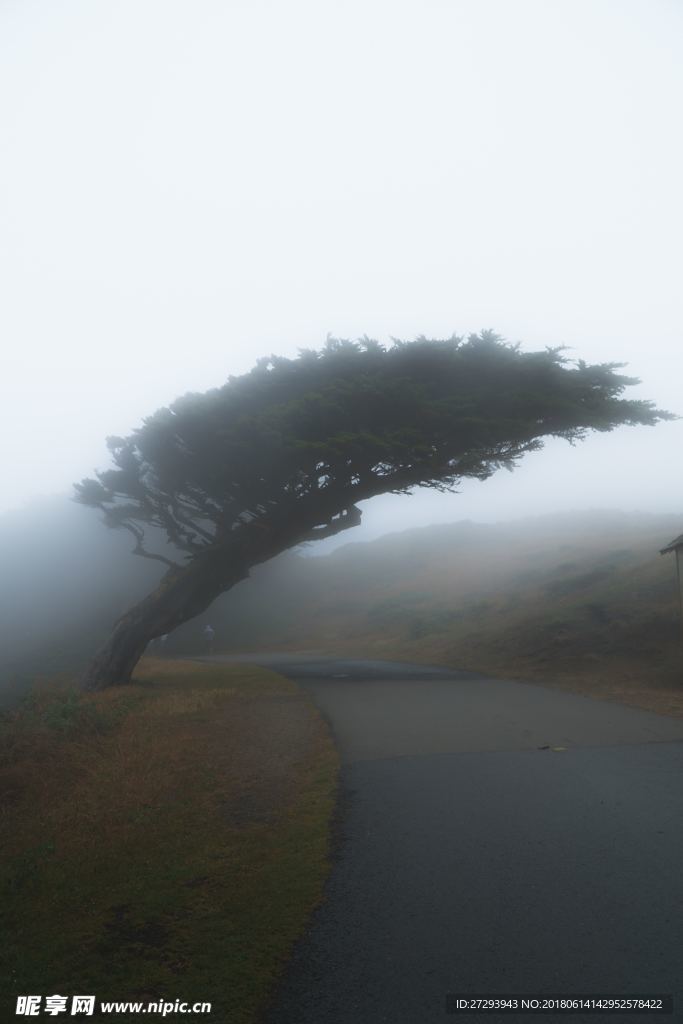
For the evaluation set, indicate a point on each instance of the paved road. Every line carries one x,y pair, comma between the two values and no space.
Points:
493,837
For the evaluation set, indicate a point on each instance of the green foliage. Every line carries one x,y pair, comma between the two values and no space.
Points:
296,443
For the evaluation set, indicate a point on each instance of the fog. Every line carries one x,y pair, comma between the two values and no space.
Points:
189,187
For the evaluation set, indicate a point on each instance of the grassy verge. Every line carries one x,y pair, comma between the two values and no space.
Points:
165,840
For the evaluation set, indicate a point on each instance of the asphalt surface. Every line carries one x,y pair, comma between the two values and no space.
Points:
493,838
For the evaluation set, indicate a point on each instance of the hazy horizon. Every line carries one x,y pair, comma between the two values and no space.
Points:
188,189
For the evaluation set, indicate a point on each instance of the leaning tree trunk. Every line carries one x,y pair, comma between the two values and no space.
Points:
183,593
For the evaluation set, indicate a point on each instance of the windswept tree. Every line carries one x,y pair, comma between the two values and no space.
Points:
285,453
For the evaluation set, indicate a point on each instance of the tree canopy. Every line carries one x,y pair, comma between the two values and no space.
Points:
293,445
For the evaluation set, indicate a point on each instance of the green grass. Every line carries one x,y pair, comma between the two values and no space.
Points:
166,840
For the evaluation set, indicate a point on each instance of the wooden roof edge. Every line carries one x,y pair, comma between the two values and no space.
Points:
677,543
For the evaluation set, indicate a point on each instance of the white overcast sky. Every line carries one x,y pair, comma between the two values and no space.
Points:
187,185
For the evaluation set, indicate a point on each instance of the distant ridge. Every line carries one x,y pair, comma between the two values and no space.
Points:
578,595
550,520
580,598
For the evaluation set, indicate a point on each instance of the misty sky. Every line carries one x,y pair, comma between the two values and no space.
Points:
187,186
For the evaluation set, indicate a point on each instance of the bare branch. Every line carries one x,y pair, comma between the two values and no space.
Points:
140,550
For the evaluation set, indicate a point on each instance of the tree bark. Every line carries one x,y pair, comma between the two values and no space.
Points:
187,591
182,594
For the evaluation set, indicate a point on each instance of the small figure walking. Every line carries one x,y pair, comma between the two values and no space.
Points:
208,637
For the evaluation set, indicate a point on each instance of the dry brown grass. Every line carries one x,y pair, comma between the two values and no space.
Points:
584,604
176,829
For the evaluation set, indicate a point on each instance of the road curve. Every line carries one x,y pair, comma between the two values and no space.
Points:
493,837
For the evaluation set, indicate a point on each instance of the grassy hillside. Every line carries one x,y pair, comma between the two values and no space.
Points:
581,600
165,840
